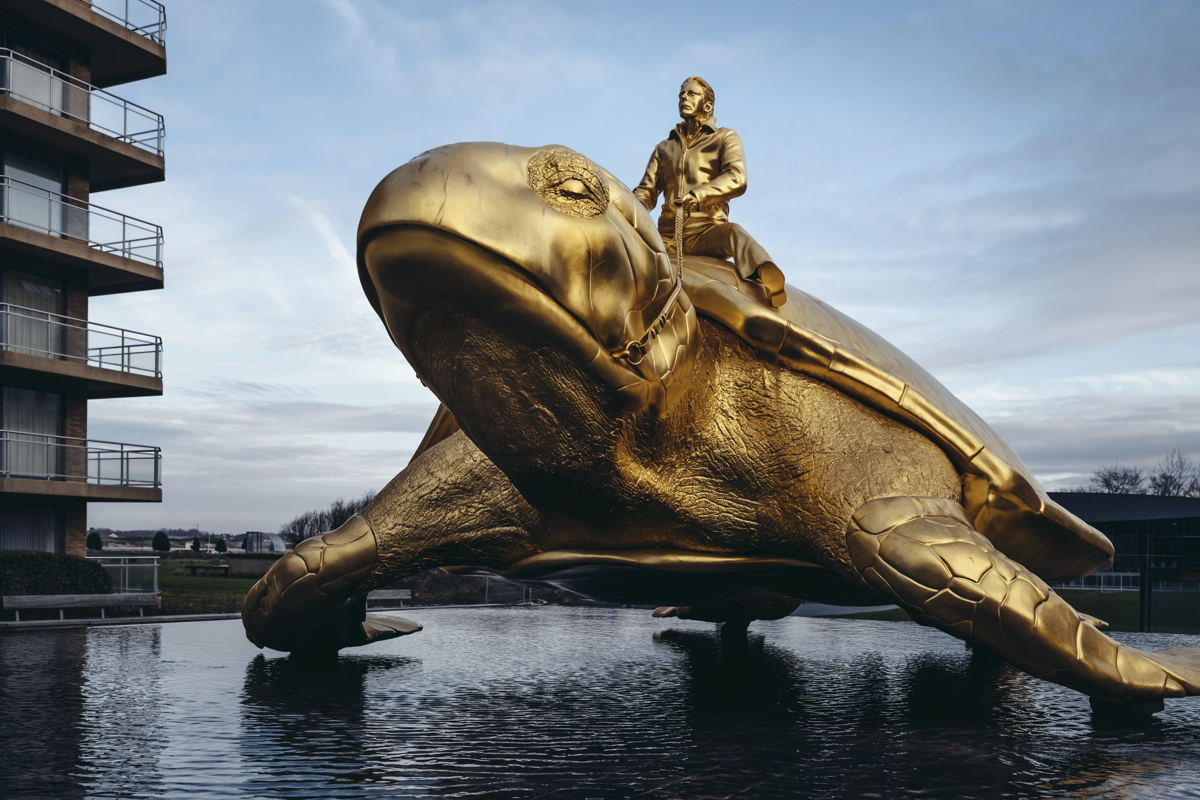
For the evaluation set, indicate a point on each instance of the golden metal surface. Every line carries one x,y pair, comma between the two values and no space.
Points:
924,553
1001,496
599,282
698,169
598,432
315,596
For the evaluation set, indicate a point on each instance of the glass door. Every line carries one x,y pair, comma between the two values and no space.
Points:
31,528
29,77
32,308
32,422
32,197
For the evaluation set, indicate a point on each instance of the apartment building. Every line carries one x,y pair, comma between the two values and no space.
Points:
67,141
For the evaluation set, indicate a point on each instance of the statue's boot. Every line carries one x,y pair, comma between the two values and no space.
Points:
924,553
314,598
771,278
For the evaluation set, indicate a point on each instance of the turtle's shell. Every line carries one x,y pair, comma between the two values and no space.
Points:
1001,497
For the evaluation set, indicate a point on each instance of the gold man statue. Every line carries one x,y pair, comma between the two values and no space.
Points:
698,169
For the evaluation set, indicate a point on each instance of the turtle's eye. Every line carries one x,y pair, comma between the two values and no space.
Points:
568,182
573,187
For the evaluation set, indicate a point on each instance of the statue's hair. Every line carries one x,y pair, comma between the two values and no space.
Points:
709,95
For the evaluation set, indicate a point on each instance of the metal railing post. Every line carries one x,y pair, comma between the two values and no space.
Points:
1146,600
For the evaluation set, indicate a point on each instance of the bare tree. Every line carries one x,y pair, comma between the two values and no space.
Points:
312,523
1176,476
1115,479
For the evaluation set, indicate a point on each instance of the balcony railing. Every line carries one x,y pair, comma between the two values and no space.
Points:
130,573
67,217
40,333
59,93
65,458
146,17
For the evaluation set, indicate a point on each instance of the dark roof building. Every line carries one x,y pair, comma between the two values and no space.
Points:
1147,530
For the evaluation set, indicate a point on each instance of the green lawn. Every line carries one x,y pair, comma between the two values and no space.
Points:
199,594
1119,609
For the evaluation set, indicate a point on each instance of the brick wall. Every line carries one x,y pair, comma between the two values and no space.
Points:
75,529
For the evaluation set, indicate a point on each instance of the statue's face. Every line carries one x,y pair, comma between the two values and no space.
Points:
691,100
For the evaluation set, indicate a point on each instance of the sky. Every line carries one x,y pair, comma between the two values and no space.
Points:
1008,191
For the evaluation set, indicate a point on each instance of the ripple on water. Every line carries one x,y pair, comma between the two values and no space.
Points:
566,702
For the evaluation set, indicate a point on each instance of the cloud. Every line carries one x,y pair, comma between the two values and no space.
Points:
329,237
1065,428
223,388
252,464
1007,192
1056,243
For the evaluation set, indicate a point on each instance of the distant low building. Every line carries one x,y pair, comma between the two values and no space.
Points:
260,542
1148,531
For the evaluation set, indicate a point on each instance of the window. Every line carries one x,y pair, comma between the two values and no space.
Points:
31,421
27,76
32,194
27,324
31,528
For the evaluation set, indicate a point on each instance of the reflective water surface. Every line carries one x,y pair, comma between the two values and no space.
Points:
565,702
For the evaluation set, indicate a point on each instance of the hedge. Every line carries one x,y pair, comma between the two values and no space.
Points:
31,572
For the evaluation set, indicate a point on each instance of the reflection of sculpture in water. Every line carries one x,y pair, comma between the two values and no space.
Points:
698,169
645,432
297,711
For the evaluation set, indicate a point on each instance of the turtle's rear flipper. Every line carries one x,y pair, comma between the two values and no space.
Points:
744,609
922,552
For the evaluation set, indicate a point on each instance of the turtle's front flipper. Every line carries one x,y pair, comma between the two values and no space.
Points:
923,552
451,505
314,598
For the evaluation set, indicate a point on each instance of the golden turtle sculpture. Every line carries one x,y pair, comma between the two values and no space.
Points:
639,432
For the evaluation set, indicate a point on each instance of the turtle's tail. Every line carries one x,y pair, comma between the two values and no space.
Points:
923,552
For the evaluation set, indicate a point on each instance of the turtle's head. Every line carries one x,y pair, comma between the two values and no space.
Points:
539,245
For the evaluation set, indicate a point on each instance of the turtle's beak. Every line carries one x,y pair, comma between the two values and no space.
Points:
539,241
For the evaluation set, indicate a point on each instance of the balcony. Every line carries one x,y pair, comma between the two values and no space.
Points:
122,141
120,253
59,353
126,37
144,17
41,465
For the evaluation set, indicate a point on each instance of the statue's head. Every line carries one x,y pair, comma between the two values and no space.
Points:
696,99
489,262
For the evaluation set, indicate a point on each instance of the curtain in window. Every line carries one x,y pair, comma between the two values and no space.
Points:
35,201
30,528
31,421
30,300
32,82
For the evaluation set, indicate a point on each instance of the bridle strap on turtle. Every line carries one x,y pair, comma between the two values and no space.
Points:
680,220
